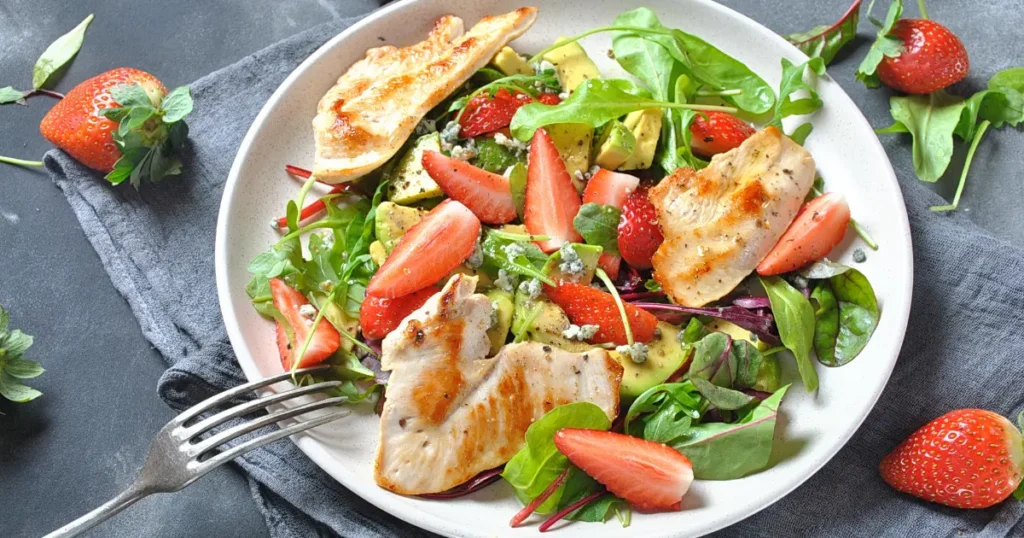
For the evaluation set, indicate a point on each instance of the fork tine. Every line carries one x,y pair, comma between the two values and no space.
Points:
250,406
234,452
244,428
213,401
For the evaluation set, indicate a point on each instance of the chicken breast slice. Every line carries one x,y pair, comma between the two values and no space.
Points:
374,107
720,222
450,414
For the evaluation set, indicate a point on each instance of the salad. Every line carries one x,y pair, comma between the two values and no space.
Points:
584,286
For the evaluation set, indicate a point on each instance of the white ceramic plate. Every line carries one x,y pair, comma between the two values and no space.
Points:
812,427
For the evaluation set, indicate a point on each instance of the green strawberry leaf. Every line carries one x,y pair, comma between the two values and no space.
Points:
884,46
23,368
130,95
13,367
58,54
10,95
150,138
177,104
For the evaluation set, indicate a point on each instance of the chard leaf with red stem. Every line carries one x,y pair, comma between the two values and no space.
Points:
826,41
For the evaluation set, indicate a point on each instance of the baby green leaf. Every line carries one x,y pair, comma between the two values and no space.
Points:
713,360
59,53
177,104
793,81
13,367
884,45
931,120
598,224
10,95
663,412
794,316
846,317
721,397
826,41
644,58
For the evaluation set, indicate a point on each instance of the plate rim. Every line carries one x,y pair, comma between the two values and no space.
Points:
424,519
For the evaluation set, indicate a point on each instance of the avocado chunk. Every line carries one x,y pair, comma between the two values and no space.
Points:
503,307
616,145
509,62
393,221
573,142
664,357
377,253
572,65
547,326
646,128
410,182
769,377
588,256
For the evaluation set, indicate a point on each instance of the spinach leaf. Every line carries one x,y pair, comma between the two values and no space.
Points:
528,260
59,53
517,183
599,225
534,467
722,451
793,81
577,486
721,397
493,157
663,412
794,316
846,317
826,41
884,45
713,360
644,58
1011,83
853,287
748,363
931,120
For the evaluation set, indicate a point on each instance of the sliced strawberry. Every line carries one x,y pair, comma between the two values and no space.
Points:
590,306
378,316
487,195
427,252
610,263
815,231
610,188
650,476
551,199
486,113
639,233
325,340
549,99
718,132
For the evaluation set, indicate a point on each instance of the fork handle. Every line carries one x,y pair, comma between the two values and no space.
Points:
125,499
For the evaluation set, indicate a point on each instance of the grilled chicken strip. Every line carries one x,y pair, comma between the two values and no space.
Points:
450,413
720,222
374,107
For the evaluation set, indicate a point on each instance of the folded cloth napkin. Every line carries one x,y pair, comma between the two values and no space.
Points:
963,347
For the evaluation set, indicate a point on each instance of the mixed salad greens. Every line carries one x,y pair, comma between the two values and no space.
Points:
705,381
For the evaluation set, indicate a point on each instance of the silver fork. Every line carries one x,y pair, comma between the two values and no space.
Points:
176,458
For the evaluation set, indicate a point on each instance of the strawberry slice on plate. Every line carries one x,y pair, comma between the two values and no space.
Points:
650,476
718,132
639,233
325,341
551,199
487,113
487,195
816,230
378,316
590,306
428,252
610,188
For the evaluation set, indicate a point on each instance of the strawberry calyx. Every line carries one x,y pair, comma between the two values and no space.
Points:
150,133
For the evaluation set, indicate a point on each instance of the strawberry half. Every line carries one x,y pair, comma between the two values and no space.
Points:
428,252
551,199
932,58
639,233
486,113
816,230
650,476
325,341
590,306
487,195
378,316
968,458
610,188
717,132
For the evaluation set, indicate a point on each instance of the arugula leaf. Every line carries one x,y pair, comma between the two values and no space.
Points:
663,413
846,317
652,285
722,451
884,45
794,316
1011,83
10,95
793,81
528,264
14,367
826,41
931,120
599,225
539,462
721,397
59,53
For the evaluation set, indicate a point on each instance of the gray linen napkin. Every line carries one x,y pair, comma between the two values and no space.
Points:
963,347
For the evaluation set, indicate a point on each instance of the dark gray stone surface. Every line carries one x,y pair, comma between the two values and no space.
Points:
83,440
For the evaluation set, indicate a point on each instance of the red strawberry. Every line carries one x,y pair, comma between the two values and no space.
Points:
816,230
485,113
968,458
650,476
610,188
551,199
932,58
487,195
639,234
549,99
717,132
429,251
590,306
325,341
378,316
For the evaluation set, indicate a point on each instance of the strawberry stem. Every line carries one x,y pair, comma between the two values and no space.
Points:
618,302
40,91
569,509
21,162
539,500
982,127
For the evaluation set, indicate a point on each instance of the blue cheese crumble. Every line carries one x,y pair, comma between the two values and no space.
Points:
571,264
576,332
514,250
307,311
531,288
510,143
450,135
494,316
464,152
476,258
636,352
505,281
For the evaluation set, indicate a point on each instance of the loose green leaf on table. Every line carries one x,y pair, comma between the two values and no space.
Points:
14,368
11,95
794,317
884,46
59,53
598,224
846,317
826,41
931,120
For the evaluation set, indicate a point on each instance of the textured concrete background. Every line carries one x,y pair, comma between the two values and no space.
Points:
83,440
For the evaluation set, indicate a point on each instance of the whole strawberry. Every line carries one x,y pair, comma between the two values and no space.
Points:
932,58
717,132
122,122
969,458
639,233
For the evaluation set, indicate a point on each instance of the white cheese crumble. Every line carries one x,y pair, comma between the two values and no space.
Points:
571,264
450,135
494,316
466,152
514,250
586,332
505,281
508,142
328,237
531,288
307,311
476,258
563,96
637,352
